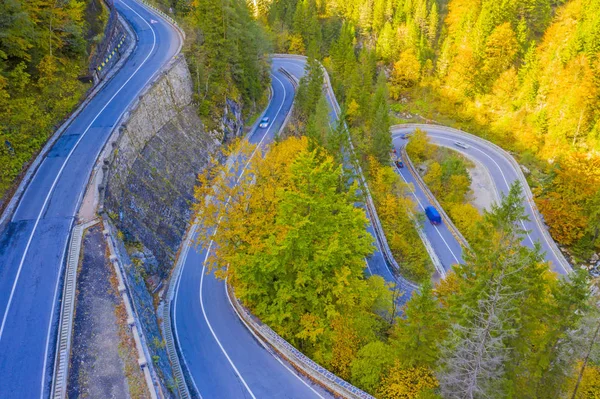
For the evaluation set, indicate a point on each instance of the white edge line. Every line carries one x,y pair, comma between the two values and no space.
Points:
204,268
50,191
264,344
474,146
208,252
210,326
412,190
62,260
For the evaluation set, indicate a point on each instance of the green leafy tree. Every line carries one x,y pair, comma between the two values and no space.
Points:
294,240
370,364
417,335
310,89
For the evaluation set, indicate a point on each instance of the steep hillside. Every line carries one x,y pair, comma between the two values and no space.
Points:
523,73
44,47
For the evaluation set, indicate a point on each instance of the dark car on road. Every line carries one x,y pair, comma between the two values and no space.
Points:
433,215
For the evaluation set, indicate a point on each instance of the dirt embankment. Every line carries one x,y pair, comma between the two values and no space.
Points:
103,361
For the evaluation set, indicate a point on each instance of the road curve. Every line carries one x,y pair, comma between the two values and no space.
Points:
222,357
376,264
503,173
33,243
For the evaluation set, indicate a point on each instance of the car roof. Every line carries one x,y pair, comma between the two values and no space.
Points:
265,118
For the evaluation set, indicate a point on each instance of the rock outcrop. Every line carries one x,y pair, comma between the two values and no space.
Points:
162,147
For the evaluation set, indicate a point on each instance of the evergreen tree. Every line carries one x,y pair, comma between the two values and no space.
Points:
381,138
417,335
310,89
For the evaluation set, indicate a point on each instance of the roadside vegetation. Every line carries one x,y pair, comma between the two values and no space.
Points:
227,51
294,244
446,175
44,48
370,134
521,73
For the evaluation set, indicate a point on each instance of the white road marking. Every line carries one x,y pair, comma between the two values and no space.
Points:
210,326
501,172
60,171
412,190
26,250
206,257
50,324
267,348
473,146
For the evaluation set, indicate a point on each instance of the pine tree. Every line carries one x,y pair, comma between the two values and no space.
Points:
417,335
310,88
495,282
381,138
474,355
432,26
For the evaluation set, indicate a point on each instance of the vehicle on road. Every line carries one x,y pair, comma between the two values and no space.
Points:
264,122
404,136
399,163
433,215
461,144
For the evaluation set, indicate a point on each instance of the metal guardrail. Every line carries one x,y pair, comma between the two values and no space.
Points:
170,338
369,205
453,229
406,284
307,366
166,16
294,82
303,363
63,346
528,194
65,328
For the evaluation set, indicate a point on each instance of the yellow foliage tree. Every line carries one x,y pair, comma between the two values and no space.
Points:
407,383
419,149
589,387
433,179
406,73
465,217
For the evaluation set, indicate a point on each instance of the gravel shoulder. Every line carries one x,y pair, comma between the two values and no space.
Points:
98,367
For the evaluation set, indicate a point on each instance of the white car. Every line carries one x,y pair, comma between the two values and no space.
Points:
264,122
461,144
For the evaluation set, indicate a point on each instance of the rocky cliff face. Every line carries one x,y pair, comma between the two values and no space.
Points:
149,187
161,149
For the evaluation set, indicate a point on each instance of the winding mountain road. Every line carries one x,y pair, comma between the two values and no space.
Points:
221,356
33,242
503,173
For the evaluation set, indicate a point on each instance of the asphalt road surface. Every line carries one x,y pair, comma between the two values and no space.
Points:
503,175
33,243
222,357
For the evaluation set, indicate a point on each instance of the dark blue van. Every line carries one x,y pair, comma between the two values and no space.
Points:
433,215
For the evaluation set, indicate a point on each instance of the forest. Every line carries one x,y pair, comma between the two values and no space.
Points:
502,325
522,73
45,46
